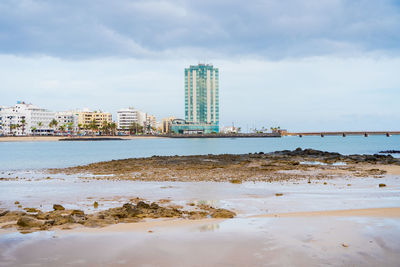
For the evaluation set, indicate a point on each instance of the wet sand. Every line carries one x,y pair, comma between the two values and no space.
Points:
373,212
309,225
341,218
300,241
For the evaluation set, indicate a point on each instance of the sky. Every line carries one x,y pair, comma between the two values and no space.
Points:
303,65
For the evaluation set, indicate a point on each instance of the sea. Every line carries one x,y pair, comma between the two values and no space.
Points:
40,155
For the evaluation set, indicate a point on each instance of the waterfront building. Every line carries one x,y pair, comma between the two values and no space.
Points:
68,120
127,116
202,94
26,119
1,121
151,122
86,117
180,126
166,124
230,130
201,101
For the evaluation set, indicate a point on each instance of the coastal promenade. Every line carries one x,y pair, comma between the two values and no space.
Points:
344,133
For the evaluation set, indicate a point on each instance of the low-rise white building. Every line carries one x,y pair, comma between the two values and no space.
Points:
127,116
1,121
67,119
230,129
26,119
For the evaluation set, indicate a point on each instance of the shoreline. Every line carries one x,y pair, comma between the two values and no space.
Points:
79,138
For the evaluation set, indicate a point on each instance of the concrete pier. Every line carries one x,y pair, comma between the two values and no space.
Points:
345,133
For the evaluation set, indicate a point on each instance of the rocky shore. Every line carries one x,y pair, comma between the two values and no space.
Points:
276,166
34,220
390,152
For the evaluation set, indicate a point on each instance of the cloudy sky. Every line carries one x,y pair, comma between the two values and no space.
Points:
300,64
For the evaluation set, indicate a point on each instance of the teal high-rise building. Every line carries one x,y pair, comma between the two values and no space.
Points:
201,101
201,94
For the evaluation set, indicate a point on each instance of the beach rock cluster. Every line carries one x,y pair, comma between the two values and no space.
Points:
267,167
129,212
390,152
335,157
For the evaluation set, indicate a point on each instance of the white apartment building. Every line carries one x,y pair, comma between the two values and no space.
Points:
66,118
25,119
127,116
1,121
151,121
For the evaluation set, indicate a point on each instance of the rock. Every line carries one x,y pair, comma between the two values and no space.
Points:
16,202
31,210
77,212
197,215
3,212
142,205
382,185
58,207
279,194
95,204
222,213
116,213
63,219
154,206
168,213
29,222
390,151
41,215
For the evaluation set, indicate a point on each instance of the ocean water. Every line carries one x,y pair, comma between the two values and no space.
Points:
37,155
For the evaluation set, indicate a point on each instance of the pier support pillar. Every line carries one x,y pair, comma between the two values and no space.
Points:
300,135
387,134
344,135
365,135
322,135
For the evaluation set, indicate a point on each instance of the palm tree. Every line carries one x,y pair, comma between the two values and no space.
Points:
53,124
33,129
148,128
105,127
69,127
12,127
79,127
135,128
93,126
85,127
62,128
40,124
23,123
113,127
